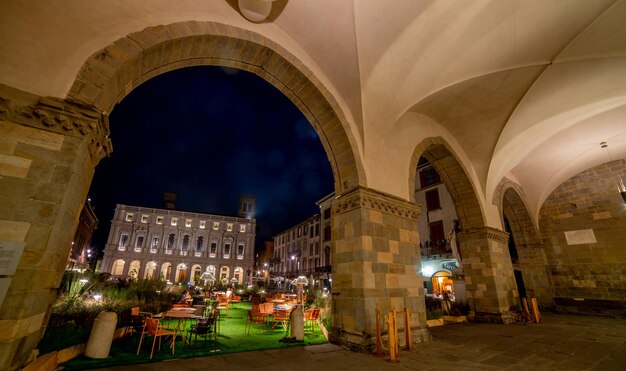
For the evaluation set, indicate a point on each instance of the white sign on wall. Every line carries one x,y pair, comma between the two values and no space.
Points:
579,237
10,254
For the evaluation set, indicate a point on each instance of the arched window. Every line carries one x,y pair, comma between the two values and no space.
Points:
118,267
133,269
166,271
149,271
181,272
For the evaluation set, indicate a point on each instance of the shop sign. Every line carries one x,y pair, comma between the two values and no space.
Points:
451,265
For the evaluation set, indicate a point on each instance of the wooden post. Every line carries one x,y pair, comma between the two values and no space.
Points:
536,314
526,312
393,337
379,352
407,329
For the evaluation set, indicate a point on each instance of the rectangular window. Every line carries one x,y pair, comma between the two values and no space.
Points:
129,217
155,244
123,242
317,230
436,232
174,222
213,249
240,249
229,227
242,228
159,220
216,226
202,224
327,233
432,200
139,241
429,177
188,223
145,218
227,250
327,213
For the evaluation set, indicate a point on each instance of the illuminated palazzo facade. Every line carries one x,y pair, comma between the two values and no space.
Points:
178,246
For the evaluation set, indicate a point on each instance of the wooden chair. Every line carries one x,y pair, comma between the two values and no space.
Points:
266,310
137,320
311,316
153,327
281,317
223,305
254,318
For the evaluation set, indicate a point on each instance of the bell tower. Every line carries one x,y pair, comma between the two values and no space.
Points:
247,206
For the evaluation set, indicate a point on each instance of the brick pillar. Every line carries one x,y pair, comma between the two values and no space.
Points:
48,152
375,263
492,293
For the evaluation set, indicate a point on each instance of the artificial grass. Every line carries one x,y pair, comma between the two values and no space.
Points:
230,339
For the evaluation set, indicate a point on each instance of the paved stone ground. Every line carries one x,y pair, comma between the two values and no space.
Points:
560,342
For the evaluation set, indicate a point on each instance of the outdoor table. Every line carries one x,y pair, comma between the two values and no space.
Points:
180,315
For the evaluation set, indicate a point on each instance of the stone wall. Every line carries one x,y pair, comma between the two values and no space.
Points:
375,260
583,226
492,294
48,152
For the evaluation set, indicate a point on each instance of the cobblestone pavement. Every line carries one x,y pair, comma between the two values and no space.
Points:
560,342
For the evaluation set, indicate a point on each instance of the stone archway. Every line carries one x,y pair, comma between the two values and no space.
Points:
54,145
111,73
531,259
492,294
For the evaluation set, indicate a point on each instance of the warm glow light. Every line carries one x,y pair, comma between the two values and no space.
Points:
427,271
97,297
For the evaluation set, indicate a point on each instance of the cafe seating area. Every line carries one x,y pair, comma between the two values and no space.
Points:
203,330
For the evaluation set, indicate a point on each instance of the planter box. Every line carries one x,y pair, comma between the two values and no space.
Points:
434,322
454,319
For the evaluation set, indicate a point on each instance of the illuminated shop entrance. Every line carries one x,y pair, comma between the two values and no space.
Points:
442,282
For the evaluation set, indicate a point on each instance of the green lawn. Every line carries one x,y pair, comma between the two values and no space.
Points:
231,338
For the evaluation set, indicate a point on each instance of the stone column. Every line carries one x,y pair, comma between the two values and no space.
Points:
489,277
48,151
375,263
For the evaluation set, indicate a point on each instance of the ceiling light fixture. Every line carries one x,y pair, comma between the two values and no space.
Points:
255,10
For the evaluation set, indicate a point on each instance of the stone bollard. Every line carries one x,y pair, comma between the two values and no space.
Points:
101,335
297,323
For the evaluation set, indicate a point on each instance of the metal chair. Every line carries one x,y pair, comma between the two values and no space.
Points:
153,327
254,318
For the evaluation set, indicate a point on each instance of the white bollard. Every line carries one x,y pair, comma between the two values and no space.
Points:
101,336
297,323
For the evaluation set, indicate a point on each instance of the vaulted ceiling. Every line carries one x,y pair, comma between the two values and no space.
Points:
525,90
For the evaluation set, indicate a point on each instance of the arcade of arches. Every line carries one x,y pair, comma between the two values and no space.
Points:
511,145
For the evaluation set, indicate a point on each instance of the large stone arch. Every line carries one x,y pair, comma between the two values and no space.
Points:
531,257
484,252
437,151
112,72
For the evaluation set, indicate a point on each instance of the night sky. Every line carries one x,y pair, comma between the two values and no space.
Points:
211,134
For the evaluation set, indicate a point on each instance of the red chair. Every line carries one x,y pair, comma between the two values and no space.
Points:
153,327
254,318
311,316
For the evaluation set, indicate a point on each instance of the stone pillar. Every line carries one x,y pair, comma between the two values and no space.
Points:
375,264
489,277
48,151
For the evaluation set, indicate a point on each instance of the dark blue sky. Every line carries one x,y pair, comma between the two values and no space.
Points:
211,134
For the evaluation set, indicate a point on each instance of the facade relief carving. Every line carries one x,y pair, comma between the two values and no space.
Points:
367,198
62,117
